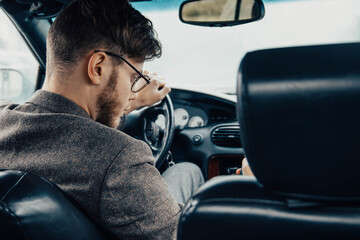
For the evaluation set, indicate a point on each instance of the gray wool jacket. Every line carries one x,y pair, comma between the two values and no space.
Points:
110,174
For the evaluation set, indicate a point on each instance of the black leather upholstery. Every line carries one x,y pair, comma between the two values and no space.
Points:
300,121
33,208
240,208
301,133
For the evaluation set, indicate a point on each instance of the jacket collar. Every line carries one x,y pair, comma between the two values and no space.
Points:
56,103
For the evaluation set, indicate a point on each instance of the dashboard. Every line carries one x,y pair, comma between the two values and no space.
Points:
195,109
207,131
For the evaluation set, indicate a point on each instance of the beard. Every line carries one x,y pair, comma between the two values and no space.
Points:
108,104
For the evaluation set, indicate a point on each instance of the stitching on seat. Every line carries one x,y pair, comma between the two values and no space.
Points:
2,199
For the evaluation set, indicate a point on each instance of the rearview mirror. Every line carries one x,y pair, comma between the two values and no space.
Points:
11,83
220,13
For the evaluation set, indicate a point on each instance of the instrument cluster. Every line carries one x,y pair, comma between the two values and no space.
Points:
187,116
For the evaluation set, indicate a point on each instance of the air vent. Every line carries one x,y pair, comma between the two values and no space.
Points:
227,136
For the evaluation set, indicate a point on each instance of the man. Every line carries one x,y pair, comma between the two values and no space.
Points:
66,134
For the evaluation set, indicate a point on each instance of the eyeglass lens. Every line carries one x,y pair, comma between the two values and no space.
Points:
139,83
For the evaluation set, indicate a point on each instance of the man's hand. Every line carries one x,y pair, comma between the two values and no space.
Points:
245,168
151,94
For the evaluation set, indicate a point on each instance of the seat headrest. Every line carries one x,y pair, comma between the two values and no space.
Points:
300,120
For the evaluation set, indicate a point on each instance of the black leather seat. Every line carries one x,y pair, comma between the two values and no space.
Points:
300,123
33,208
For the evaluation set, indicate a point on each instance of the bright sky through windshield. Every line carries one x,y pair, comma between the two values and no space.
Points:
208,58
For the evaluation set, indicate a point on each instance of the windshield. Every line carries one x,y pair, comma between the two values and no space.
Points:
207,59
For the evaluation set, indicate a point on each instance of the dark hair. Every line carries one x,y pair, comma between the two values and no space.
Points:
112,25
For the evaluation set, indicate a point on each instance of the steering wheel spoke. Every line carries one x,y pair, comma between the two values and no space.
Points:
155,126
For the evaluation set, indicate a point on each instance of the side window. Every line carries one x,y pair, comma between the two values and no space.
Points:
18,67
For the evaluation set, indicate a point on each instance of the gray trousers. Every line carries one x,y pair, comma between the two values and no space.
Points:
183,179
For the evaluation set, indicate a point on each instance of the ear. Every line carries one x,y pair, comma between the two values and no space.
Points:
96,67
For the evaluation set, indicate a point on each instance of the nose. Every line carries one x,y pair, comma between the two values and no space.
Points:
132,96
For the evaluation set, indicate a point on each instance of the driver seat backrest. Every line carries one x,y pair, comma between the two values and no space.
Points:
300,126
33,208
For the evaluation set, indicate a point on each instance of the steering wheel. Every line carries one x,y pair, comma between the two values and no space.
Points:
155,126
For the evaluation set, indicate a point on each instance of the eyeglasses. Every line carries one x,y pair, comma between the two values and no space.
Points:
140,82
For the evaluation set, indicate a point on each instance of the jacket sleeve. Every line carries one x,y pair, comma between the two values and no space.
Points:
135,202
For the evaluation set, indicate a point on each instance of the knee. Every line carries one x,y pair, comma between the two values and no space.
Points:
193,170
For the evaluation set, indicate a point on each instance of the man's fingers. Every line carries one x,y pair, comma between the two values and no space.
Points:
246,171
161,85
158,81
246,168
152,75
165,90
244,163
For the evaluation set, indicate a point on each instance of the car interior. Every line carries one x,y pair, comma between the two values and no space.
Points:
310,130
293,116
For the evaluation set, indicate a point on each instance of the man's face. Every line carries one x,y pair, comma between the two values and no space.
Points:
116,97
